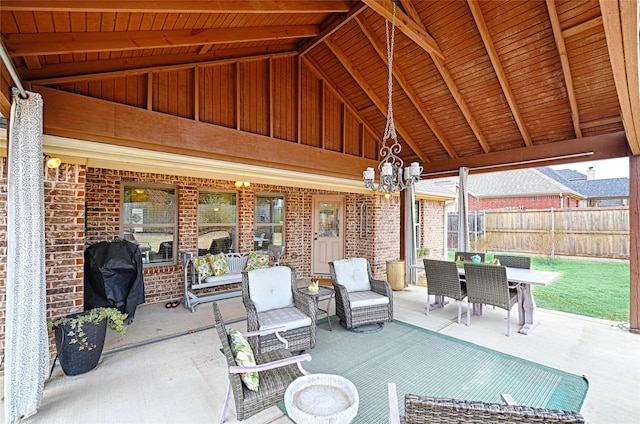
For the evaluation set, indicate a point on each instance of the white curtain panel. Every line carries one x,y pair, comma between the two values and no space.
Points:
26,343
463,212
410,231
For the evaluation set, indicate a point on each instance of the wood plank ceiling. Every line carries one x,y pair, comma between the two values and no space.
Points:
476,83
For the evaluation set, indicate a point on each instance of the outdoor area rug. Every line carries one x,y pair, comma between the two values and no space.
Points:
424,362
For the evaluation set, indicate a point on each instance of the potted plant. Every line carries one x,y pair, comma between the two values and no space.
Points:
80,337
422,252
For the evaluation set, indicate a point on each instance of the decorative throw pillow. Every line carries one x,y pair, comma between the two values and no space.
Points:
257,260
201,263
244,357
219,264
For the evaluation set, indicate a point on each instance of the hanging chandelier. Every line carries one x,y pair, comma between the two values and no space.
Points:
391,166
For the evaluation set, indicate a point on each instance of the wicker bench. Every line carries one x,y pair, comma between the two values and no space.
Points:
426,409
195,285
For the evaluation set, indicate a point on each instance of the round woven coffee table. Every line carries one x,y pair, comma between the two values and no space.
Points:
321,399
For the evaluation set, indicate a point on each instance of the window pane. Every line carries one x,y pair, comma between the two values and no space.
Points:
216,208
269,227
148,219
215,240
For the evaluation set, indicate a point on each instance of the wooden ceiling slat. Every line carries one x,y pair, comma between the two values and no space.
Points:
180,6
497,66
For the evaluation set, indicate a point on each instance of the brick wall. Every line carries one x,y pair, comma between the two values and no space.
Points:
74,193
432,217
532,202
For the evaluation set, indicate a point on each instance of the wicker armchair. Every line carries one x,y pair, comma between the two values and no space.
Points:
359,298
276,370
426,409
443,280
272,300
514,261
488,285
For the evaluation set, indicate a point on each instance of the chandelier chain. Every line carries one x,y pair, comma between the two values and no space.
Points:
390,129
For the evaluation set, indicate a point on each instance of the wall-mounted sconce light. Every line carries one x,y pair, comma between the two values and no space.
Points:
52,162
240,184
139,191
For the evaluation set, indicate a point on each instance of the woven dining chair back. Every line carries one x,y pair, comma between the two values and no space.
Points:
514,261
488,285
443,280
466,256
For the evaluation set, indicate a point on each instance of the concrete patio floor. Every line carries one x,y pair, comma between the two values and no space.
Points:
168,368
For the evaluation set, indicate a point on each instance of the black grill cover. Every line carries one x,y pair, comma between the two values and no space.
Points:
113,276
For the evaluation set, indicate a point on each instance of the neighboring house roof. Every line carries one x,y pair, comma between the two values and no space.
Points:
515,183
606,188
428,188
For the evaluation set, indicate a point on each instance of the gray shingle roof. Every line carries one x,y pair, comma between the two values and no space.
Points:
606,188
429,187
518,182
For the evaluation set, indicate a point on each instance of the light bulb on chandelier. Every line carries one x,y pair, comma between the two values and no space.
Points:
391,166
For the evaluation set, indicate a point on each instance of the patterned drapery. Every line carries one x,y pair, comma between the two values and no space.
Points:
26,344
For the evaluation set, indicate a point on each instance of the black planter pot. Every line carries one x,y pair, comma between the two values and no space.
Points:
76,358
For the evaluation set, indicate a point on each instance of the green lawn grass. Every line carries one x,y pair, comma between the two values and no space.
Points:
599,289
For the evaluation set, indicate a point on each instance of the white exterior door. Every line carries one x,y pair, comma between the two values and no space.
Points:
328,232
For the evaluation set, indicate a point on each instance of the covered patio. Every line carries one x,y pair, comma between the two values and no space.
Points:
169,368
291,98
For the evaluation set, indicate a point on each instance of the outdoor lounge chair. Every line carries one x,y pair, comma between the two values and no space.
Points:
271,298
443,280
426,409
488,285
276,370
514,261
359,298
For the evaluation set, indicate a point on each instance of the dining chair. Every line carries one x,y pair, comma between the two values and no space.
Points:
443,280
488,285
514,261
466,256
360,299
271,298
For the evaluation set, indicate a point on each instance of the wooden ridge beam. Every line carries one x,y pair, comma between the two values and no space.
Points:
331,28
408,27
178,6
70,43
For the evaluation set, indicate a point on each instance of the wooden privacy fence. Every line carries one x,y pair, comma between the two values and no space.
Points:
590,232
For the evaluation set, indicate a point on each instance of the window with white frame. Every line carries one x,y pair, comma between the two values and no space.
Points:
149,218
217,222
269,221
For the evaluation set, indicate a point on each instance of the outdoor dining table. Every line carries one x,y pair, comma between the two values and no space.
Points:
526,303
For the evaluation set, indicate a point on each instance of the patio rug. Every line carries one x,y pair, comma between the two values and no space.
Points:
424,362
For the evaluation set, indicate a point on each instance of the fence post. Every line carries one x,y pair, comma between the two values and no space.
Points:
553,235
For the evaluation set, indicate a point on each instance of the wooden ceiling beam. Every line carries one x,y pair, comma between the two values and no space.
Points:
364,85
605,146
408,89
94,70
407,25
566,69
331,28
179,6
621,26
499,70
450,83
85,118
70,43
584,26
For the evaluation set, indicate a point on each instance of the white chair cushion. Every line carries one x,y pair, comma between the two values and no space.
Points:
352,274
290,318
270,288
360,299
